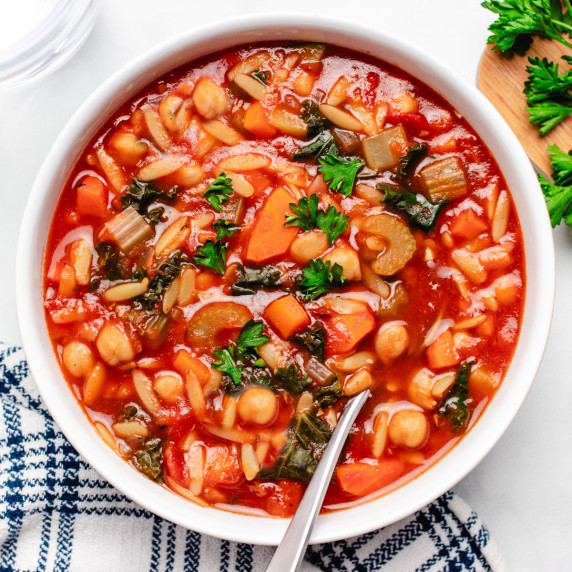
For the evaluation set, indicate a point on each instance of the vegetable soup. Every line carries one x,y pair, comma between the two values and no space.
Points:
263,233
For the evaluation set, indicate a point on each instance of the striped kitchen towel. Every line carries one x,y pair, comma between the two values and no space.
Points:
56,513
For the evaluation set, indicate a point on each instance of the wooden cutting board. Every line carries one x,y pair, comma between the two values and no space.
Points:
502,81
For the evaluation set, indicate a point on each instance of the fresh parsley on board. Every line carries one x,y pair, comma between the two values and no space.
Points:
548,88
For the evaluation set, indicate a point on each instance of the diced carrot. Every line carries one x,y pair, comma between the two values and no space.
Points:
222,466
184,362
287,315
362,478
269,237
345,331
442,352
468,225
91,197
256,121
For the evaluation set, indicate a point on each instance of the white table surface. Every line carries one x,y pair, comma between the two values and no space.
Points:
522,489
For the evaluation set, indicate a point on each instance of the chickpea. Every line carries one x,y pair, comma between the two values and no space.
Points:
78,359
257,405
114,345
408,428
391,341
210,99
348,259
169,387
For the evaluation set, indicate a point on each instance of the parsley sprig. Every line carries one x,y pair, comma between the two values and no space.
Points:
308,216
519,20
213,255
547,93
232,358
320,277
340,172
219,192
225,228
558,195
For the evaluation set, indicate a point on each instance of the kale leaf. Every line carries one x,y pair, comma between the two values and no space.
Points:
313,338
250,280
312,115
420,212
321,145
327,395
149,459
166,273
291,379
454,405
307,438
140,195
408,161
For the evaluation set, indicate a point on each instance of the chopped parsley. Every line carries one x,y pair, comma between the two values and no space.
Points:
558,195
213,255
519,20
219,192
232,358
307,216
547,93
340,172
225,228
320,277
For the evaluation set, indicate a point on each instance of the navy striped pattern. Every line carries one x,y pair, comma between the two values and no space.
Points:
56,513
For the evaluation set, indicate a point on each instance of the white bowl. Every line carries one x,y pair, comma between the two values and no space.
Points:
539,252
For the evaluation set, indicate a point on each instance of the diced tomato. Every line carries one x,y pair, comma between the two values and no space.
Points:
345,331
468,225
361,479
415,121
222,466
256,121
282,498
91,197
258,180
269,237
175,464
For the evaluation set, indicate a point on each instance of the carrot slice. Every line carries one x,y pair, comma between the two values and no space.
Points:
256,121
345,331
185,362
442,352
287,315
269,237
362,478
468,225
91,197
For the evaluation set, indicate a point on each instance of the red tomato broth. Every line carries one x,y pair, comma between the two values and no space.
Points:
433,293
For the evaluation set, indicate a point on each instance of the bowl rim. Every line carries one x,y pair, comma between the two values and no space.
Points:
417,492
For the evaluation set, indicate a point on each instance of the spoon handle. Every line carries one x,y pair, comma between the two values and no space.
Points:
292,547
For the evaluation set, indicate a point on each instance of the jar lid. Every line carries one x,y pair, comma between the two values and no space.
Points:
38,36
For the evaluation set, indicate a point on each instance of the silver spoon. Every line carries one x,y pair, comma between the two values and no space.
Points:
291,550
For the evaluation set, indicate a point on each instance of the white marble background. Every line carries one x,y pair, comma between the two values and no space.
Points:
522,490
